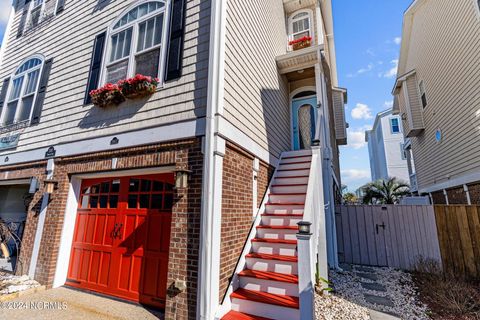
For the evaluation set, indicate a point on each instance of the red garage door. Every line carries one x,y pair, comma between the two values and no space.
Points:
122,236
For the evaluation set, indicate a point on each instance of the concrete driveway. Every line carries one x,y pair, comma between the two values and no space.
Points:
69,304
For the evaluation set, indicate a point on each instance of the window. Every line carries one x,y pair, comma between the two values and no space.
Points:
403,152
23,88
395,125
423,96
36,12
301,25
136,43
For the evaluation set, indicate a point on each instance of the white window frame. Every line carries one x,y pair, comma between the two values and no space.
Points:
311,23
22,90
131,57
398,124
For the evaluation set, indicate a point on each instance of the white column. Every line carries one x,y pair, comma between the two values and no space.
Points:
256,169
446,196
467,193
306,282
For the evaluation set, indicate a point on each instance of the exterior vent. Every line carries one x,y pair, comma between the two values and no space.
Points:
339,100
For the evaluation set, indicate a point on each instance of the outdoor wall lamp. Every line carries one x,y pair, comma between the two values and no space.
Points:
181,178
50,186
304,227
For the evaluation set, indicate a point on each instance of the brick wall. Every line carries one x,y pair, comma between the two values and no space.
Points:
457,196
21,172
237,210
184,242
263,179
438,197
474,190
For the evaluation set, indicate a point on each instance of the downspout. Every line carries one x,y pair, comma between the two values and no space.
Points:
213,149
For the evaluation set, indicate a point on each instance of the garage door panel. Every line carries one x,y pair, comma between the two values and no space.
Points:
122,238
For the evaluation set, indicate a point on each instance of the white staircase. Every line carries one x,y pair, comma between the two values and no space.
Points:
266,283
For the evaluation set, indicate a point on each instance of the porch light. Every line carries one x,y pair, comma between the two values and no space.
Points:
181,178
304,227
50,186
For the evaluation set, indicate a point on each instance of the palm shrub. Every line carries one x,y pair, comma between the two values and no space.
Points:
385,191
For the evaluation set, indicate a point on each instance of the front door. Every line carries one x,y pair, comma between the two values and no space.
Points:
122,237
304,117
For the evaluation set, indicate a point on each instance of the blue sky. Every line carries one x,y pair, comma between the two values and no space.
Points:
5,6
367,39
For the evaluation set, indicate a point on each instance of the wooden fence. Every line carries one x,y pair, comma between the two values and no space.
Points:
459,237
394,236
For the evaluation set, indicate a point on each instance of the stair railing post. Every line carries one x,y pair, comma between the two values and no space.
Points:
305,271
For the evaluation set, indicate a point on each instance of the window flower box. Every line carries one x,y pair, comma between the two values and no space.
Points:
301,43
138,87
109,94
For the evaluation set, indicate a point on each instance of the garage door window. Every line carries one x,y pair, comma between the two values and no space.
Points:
103,195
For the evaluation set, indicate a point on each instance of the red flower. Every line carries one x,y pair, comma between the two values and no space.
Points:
304,39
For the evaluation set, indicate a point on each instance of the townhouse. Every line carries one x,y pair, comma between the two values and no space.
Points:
437,96
147,190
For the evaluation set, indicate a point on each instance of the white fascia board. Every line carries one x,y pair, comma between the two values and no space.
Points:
170,132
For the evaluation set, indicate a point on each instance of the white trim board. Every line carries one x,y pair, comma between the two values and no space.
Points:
70,216
455,182
170,132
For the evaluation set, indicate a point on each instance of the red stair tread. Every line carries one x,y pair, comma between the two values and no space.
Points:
234,315
274,241
277,257
288,194
299,162
283,215
297,169
284,204
292,177
293,157
268,298
278,227
290,185
273,276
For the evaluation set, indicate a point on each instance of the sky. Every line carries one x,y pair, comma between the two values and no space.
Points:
367,41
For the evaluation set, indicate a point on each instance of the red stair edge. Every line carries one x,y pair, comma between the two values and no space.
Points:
284,204
299,162
234,315
298,169
267,298
277,257
283,215
278,227
293,157
288,194
290,185
292,177
266,240
272,276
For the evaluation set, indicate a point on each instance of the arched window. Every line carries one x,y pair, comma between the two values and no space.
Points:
22,91
301,25
136,44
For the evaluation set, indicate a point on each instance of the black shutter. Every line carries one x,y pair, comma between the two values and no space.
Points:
3,93
23,19
175,41
42,90
95,65
60,6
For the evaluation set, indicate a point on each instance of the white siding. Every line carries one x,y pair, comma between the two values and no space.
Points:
256,96
68,39
444,50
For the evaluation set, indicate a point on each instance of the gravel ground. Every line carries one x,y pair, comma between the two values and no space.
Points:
348,300
11,284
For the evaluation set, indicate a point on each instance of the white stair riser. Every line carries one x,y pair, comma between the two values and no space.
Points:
298,159
278,234
270,286
291,180
289,209
282,249
281,221
289,189
293,173
296,153
287,198
300,165
284,267
265,310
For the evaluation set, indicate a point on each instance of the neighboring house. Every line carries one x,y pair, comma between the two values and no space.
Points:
437,96
386,148
152,200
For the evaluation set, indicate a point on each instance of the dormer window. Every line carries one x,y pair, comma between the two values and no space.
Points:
136,44
22,91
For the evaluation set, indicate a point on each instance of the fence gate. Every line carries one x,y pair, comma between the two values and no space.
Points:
390,235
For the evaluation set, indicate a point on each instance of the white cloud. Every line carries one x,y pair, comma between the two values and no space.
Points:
6,6
388,104
361,71
356,137
361,111
397,40
393,71
355,174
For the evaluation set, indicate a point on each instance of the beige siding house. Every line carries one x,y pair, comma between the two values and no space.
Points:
437,94
142,137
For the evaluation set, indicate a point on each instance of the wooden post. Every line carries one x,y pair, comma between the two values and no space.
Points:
305,277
